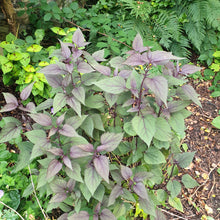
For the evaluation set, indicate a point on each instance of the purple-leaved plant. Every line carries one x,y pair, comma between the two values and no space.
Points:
103,139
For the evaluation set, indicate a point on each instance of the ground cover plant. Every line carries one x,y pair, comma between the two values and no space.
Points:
110,139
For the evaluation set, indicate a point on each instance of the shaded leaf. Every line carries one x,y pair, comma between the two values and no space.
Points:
111,98
9,131
176,203
107,215
82,215
140,190
88,126
59,102
79,93
95,101
74,104
59,197
147,206
163,131
97,121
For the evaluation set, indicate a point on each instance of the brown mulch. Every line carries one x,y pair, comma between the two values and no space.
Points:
202,137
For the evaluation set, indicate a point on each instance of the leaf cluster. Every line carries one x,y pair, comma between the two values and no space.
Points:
103,139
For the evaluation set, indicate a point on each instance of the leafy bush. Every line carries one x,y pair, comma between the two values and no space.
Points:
103,140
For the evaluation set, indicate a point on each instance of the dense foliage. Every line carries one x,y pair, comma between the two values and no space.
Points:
109,140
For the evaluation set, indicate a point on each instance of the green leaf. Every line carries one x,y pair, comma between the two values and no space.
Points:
88,126
59,102
9,131
176,203
144,127
7,67
24,155
99,193
95,101
75,173
15,56
85,191
26,59
216,122
35,135
188,181
15,199
174,187
154,156
184,159
34,48
129,128
176,121
3,59
47,16
115,85
58,30
92,179
163,131
97,121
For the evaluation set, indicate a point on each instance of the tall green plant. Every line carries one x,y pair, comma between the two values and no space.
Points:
102,141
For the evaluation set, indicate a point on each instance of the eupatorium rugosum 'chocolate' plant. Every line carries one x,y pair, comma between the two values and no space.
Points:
103,139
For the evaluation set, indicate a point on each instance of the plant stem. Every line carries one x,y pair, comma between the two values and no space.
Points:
12,210
35,195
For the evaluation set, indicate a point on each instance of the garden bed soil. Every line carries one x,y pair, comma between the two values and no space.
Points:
201,137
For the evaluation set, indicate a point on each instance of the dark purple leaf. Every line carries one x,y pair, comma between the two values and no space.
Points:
175,106
162,57
74,104
71,184
101,164
84,67
107,215
41,119
99,55
26,91
76,52
63,217
189,69
79,39
138,44
191,94
60,119
68,131
30,107
100,68
65,50
92,179
136,60
52,131
76,152
53,69
115,85
59,197
159,86
126,172
159,215
56,151
140,190
115,193
169,69
67,162
54,80
54,167
9,131
9,107
110,141
9,98
82,215
86,147
140,176
125,73
79,93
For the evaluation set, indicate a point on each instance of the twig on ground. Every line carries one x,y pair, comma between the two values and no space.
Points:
177,216
206,180
12,210
35,195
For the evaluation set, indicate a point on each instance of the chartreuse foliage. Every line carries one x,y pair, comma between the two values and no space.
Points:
23,58
102,141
